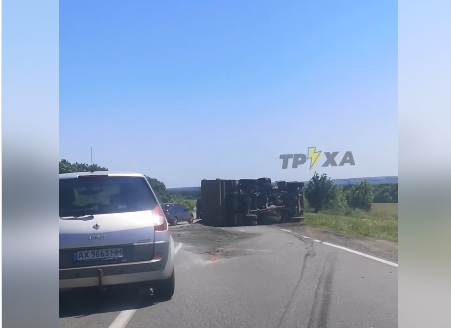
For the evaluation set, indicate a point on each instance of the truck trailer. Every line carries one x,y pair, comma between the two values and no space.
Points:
230,203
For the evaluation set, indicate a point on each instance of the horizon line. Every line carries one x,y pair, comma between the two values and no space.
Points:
374,177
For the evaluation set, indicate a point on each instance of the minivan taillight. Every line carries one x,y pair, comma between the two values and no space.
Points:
159,219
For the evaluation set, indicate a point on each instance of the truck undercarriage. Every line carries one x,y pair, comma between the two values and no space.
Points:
228,203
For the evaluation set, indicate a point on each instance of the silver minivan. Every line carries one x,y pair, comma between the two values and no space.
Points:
113,231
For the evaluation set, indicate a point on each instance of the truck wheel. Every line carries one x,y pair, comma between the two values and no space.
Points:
164,290
271,219
285,218
250,220
175,221
191,220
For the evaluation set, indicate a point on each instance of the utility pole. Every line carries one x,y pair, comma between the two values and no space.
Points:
92,169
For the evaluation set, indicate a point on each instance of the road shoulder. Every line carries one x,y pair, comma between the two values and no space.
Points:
379,248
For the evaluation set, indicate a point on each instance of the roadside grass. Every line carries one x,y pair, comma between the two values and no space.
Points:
188,203
387,210
381,222
192,202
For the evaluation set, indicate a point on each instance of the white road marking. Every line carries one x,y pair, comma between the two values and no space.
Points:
362,254
349,250
124,317
318,241
179,246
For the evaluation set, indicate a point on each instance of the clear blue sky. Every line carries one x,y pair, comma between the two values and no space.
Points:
186,90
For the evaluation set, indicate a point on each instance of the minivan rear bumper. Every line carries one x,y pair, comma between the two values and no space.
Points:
117,274
114,275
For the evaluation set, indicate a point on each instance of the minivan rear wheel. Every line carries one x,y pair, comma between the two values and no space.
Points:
165,289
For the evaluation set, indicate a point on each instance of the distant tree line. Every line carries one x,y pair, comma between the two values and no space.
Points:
385,193
68,167
320,192
158,187
382,193
189,195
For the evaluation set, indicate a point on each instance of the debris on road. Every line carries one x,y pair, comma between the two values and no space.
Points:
211,241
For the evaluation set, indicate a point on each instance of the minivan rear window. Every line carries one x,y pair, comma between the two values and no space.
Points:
104,195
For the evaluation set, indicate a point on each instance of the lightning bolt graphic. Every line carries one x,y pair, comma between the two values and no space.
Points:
313,156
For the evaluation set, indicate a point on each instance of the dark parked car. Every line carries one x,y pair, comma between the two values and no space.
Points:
177,213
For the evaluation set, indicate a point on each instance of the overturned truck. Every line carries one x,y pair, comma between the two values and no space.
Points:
229,203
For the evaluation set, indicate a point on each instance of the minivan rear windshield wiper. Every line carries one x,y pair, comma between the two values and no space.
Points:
74,217
94,208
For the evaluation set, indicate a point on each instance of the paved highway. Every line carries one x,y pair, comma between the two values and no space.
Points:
252,277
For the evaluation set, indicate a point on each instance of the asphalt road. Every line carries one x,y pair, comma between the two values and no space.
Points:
252,277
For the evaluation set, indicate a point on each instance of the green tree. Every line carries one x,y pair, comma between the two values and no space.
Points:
394,192
160,190
159,187
385,193
183,201
187,204
320,192
67,167
361,196
338,201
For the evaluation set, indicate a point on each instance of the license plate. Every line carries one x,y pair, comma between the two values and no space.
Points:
98,254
